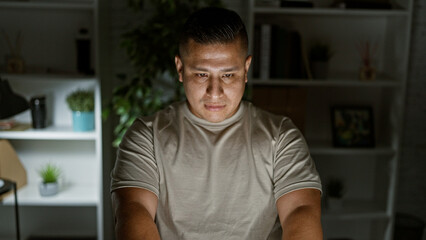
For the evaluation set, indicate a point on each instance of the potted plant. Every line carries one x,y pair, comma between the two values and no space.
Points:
150,47
50,175
14,63
335,190
82,104
319,55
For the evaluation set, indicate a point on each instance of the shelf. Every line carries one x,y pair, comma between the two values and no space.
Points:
47,77
331,11
51,70
74,195
369,173
66,5
352,210
334,82
49,133
325,148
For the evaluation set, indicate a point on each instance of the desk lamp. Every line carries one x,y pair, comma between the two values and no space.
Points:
10,105
6,186
10,102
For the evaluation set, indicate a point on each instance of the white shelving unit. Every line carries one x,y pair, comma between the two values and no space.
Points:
337,82
73,5
369,174
49,30
50,133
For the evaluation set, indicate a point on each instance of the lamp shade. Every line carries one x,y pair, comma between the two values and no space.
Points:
10,102
10,166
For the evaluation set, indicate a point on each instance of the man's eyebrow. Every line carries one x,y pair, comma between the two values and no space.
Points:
228,69
198,69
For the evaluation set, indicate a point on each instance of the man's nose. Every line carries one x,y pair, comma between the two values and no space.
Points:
215,89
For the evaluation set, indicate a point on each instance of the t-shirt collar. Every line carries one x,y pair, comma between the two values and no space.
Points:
234,118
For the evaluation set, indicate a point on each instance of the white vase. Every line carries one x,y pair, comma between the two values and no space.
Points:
48,189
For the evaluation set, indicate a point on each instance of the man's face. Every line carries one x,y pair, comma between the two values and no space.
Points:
214,77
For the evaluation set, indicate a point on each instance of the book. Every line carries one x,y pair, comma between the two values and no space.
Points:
7,124
287,59
265,51
255,64
278,53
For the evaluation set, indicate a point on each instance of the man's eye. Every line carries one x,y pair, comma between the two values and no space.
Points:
201,75
228,75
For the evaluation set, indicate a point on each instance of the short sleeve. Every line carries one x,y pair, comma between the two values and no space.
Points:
294,168
136,165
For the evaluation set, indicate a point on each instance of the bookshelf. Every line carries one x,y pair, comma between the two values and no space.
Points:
369,174
49,31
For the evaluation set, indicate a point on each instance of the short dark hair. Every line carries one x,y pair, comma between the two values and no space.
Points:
214,25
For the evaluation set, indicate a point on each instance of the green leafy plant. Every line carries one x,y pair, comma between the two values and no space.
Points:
50,173
130,101
81,100
320,51
151,47
335,188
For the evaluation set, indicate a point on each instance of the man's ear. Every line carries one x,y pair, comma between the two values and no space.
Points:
179,67
247,66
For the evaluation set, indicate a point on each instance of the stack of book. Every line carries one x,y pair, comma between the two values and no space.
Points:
278,54
7,124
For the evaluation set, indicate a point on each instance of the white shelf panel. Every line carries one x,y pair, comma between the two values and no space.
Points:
73,195
70,5
352,210
325,83
49,133
330,12
48,77
325,148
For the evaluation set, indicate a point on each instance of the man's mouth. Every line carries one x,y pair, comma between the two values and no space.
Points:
214,107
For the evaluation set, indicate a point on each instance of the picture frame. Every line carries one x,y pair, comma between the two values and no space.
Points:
352,126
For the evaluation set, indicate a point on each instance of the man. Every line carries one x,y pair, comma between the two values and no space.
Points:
215,167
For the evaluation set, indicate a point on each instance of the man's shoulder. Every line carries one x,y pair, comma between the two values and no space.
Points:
163,117
263,115
273,122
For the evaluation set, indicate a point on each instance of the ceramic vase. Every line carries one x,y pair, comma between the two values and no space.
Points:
83,121
48,189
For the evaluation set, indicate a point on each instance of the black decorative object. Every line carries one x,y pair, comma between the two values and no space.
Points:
10,102
83,52
38,111
352,126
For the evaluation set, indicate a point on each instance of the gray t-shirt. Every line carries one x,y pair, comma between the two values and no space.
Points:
215,180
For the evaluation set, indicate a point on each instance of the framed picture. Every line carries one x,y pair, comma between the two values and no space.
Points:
352,126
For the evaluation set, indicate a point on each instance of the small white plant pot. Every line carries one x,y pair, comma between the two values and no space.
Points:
48,189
